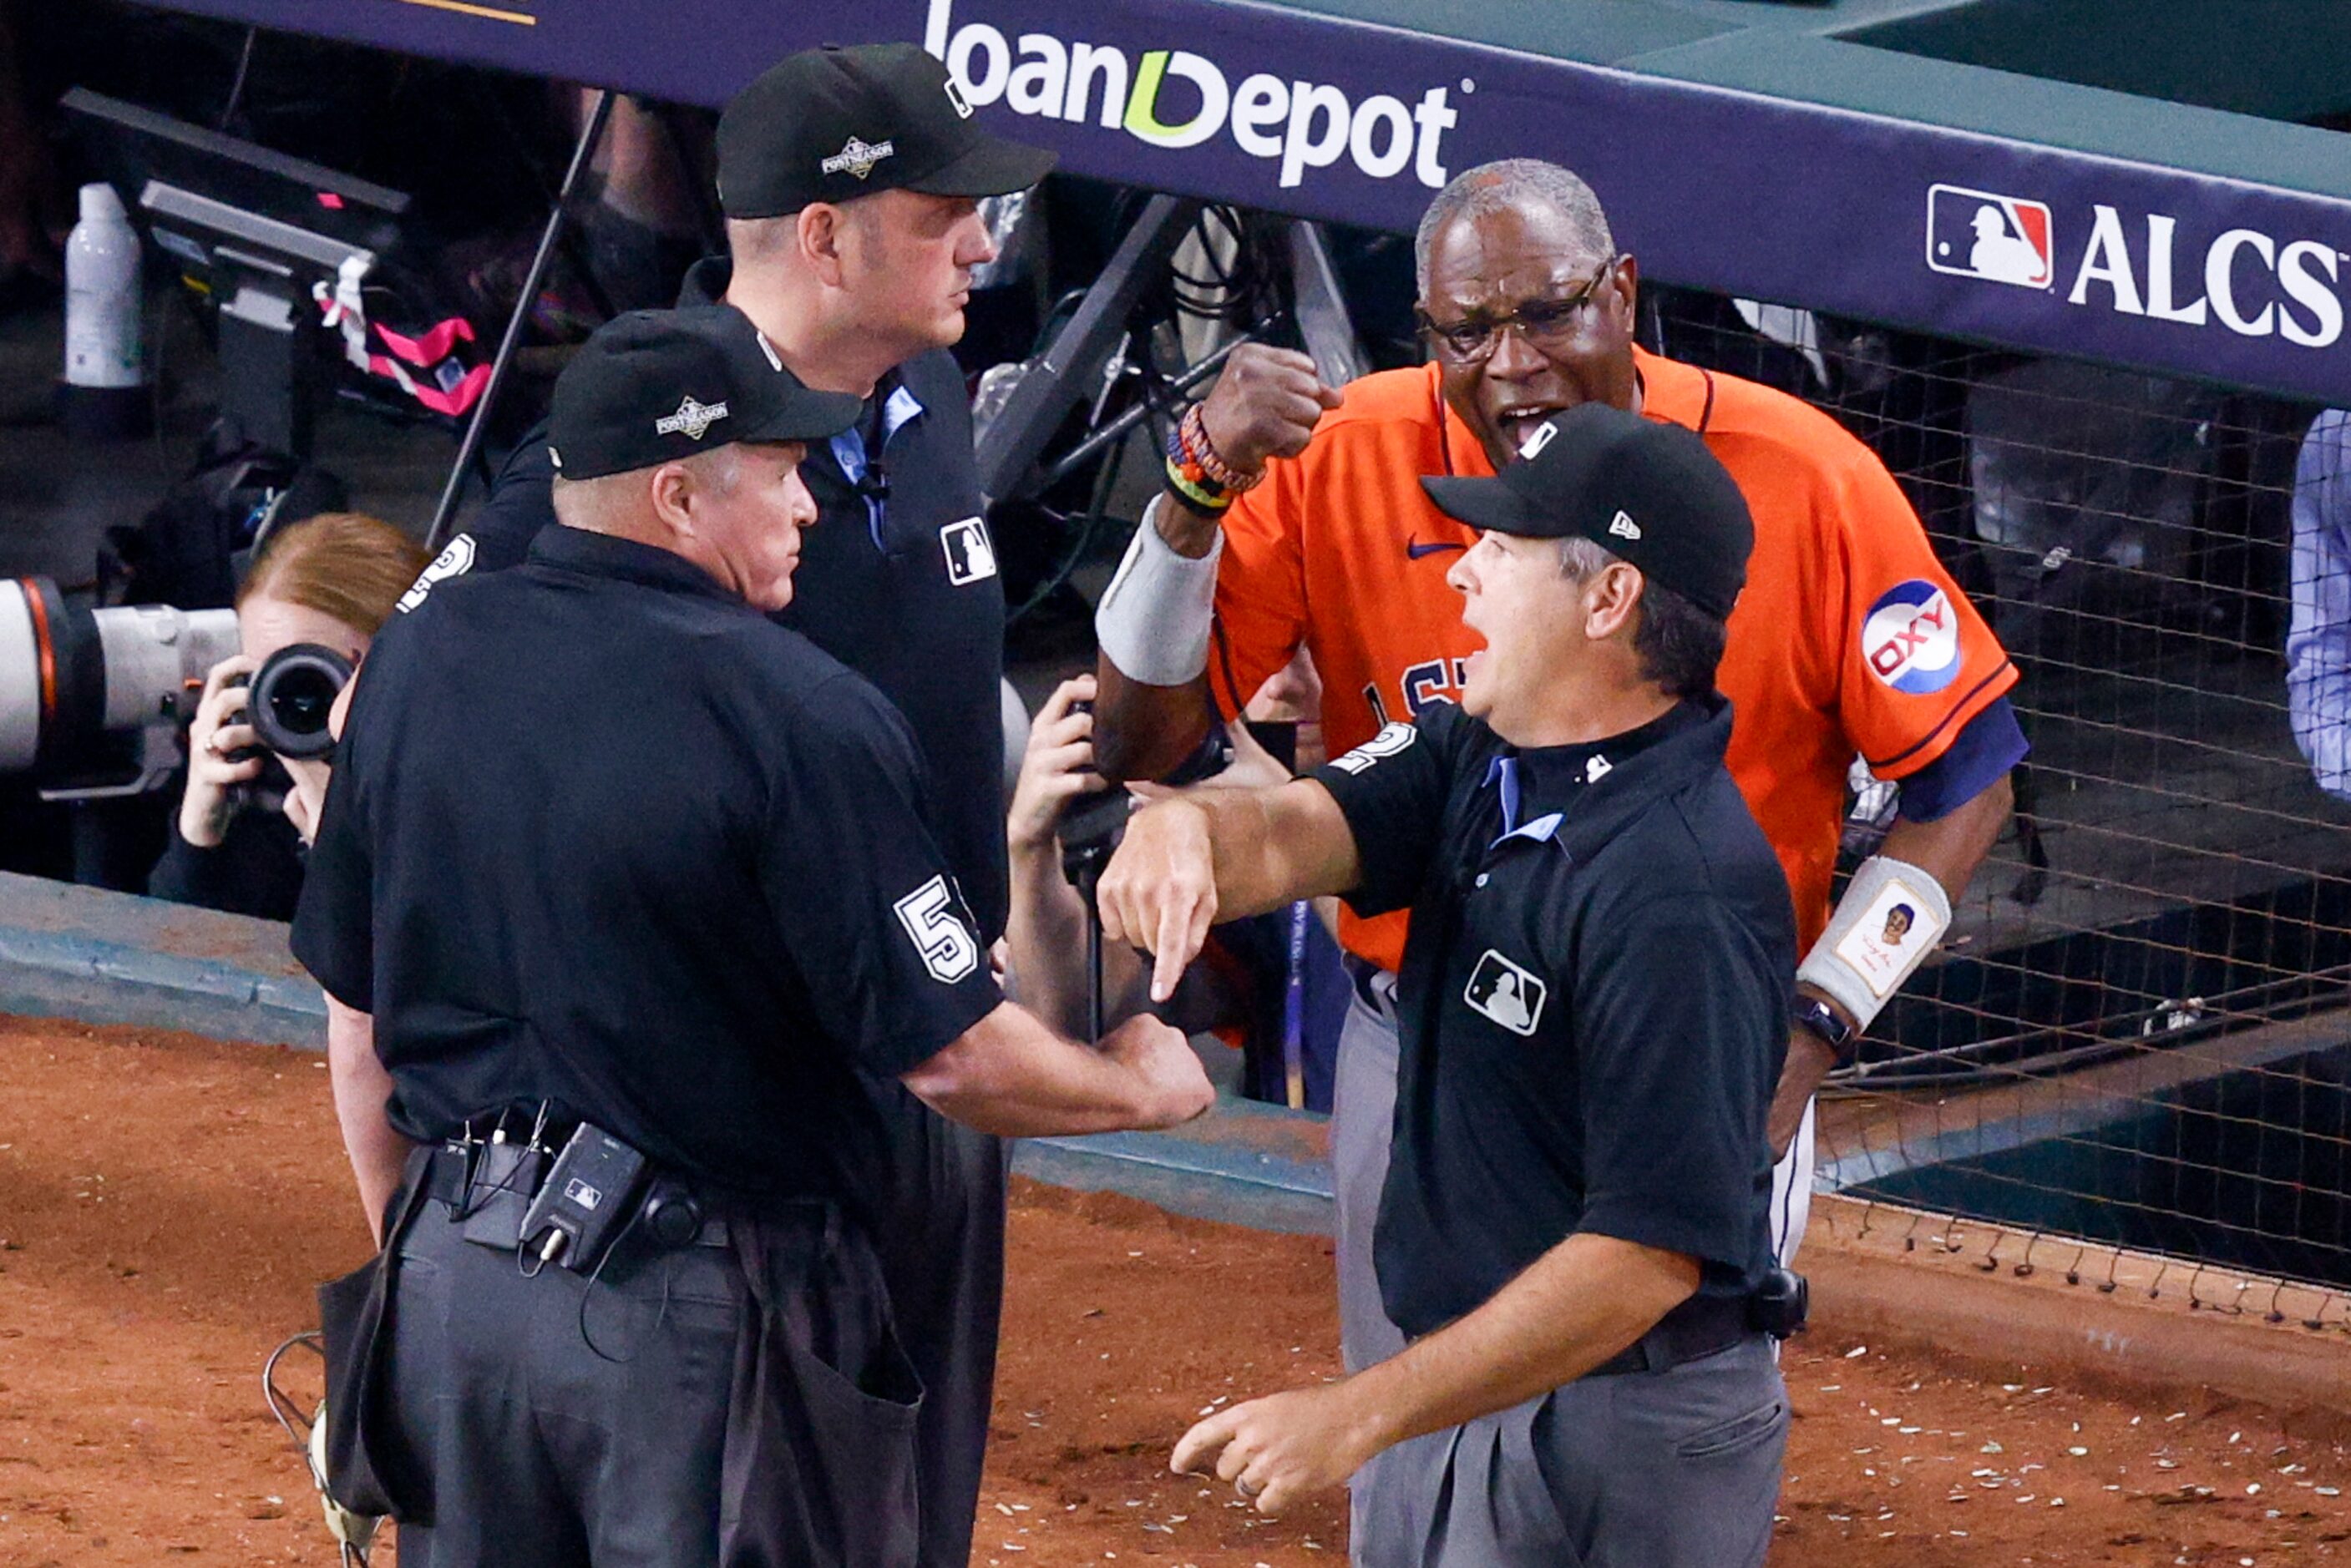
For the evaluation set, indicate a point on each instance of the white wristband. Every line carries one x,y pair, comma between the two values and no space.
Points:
1153,621
1889,921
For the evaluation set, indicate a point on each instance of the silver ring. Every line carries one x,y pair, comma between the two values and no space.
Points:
1241,1485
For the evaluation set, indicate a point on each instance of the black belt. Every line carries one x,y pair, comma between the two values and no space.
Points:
1700,1326
445,1183
1361,972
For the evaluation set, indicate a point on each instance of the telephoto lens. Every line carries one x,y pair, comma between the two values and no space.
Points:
79,685
293,691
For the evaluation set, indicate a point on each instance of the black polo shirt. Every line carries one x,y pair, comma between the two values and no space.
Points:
904,590
603,834
1594,1001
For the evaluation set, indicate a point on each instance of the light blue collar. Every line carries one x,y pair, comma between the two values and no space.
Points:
1542,830
849,448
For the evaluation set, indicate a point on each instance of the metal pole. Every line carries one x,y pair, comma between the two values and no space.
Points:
1293,1008
1323,319
1079,455
1067,371
1094,969
590,134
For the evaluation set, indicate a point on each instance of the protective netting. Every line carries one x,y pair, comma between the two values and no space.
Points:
2139,1030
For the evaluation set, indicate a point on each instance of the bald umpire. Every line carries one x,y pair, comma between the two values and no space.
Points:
1592,1004
620,890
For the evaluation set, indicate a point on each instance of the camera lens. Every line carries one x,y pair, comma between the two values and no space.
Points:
293,693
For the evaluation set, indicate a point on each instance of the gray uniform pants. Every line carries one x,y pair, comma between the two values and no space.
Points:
1678,1468
536,1447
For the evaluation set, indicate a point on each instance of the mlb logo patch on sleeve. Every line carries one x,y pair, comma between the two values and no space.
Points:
1506,992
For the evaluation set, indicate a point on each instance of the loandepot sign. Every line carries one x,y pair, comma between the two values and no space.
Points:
1174,98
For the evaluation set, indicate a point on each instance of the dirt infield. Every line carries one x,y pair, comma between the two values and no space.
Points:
166,1204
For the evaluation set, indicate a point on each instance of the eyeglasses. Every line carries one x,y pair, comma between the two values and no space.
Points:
1538,321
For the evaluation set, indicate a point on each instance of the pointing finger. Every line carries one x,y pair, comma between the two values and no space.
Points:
1169,958
1204,1438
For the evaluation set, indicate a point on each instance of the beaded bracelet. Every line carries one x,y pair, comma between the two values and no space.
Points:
1193,430
1190,478
1199,495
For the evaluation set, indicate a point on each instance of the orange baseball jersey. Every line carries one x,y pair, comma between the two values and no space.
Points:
1850,637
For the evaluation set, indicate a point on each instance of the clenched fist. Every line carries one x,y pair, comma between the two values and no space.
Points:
1177,1086
1265,404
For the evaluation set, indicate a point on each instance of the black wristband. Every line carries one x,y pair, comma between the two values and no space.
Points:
1823,1024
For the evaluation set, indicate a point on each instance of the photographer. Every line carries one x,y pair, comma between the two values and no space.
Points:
330,580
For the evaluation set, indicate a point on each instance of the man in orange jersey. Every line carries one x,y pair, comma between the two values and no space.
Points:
1849,639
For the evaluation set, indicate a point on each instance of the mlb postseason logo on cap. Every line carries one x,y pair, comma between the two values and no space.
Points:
692,419
858,157
1911,638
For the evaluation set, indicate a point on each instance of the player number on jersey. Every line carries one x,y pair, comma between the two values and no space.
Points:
1386,743
938,933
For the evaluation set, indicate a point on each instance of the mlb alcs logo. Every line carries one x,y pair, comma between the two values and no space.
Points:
1983,234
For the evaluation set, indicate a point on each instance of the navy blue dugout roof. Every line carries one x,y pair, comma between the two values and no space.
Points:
1845,157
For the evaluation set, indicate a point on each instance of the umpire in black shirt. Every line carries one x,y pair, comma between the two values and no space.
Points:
1593,1002
849,178
610,853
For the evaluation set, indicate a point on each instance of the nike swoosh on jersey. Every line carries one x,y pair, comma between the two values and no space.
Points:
1415,550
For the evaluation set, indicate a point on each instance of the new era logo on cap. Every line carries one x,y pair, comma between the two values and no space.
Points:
1623,527
857,157
692,419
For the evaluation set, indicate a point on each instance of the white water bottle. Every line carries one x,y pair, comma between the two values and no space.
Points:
106,362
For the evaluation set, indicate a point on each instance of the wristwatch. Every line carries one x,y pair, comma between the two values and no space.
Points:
1844,1040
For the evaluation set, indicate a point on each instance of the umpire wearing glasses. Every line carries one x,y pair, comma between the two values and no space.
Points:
1592,1004
620,891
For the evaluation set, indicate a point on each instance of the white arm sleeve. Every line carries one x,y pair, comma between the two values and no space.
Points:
1153,621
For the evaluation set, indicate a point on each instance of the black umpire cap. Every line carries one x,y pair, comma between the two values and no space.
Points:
830,125
655,386
1647,492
